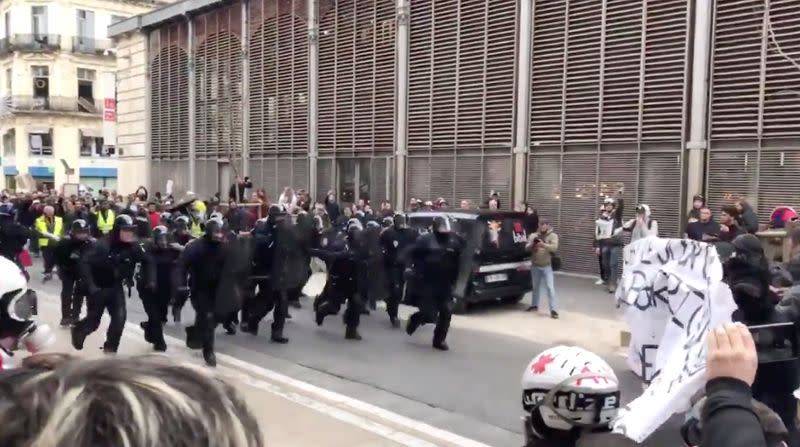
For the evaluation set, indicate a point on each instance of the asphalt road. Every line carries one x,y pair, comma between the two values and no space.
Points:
472,390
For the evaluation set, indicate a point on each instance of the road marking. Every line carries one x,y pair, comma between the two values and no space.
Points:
334,411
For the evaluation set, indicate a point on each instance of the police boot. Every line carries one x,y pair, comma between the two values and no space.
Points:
229,327
412,324
441,345
148,337
108,348
209,356
277,336
395,322
67,321
78,337
352,333
176,314
249,327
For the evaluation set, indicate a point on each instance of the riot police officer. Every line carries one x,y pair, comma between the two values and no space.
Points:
105,267
67,255
373,264
198,272
396,242
434,260
342,260
13,236
156,301
262,301
180,237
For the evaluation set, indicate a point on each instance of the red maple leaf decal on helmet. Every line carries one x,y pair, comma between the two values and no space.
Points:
541,364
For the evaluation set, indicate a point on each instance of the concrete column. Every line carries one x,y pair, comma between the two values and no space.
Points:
245,93
313,95
402,43
521,147
148,109
192,107
697,144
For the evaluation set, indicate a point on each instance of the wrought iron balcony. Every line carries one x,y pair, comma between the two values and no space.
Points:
87,45
56,104
35,42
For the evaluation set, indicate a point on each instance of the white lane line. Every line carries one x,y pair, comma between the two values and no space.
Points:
336,398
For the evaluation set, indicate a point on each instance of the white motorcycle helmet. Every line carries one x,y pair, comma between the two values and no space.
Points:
567,391
18,327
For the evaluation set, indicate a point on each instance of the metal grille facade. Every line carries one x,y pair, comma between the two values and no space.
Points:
754,130
169,105
218,86
608,98
461,99
356,88
278,94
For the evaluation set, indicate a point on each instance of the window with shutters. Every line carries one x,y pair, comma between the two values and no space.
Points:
461,99
608,100
218,83
278,79
169,92
754,104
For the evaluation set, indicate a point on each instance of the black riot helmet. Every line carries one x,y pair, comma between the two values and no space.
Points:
181,224
387,222
79,230
161,236
125,230
400,221
215,230
441,225
373,224
354,227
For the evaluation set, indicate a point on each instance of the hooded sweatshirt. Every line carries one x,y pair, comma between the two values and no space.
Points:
642,231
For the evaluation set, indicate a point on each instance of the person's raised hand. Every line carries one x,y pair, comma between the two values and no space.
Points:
732,353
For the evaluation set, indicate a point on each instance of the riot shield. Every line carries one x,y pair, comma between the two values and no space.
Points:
235,275
288,269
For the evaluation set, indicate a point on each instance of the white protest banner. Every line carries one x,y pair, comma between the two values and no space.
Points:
672,294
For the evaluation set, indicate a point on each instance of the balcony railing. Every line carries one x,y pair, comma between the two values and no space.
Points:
86,45
35,42
56,104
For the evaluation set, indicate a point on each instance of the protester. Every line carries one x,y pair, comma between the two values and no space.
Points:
643,225
331,206
698,203
466,204
704,228
747,219
237,189
729,228
493,202
609,242
543,246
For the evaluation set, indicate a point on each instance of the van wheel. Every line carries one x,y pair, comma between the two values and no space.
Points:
512,299
461,306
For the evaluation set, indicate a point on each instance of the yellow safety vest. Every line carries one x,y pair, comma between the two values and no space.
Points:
196,230
41,227
105,225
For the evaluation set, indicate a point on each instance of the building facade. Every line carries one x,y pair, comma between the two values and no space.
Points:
558,103
57,67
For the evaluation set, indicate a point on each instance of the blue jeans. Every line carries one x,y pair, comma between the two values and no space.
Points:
537,273
610,257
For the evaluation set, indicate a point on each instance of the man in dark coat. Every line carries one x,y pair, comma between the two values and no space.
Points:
396,242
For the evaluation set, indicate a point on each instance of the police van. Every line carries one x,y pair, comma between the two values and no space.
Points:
494,263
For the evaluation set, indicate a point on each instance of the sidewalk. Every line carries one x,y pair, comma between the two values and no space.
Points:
288,417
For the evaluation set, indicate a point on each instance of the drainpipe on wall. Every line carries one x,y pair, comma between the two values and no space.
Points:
313,95
192,106
521,147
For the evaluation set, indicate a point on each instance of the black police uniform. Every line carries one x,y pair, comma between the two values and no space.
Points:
434,260
156,301
262,301
201,262
396,242
13,238
105,267
375,281
342,262
67,255
288,272
180,237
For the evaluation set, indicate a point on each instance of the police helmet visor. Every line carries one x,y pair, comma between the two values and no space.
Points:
128,234
400,221
215,230
21,304
441,225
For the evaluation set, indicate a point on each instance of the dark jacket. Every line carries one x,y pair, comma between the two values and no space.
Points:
333,210
728,417
106,265
67,255
696,230
242,186
748,220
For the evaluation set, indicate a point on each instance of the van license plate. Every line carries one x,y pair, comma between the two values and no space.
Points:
498,277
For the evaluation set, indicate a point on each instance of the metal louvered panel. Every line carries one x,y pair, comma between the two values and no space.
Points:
667,29
777,182
736,68
325,178
284,174
269,171
549,30
442,178
300,173
379,172
461,74
218,65
578,213
781,95
618,171
278,51
169,109
621,71
660,187
544,189
733,177
467,181
582,75
418,178
207,178
356,85
495,178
